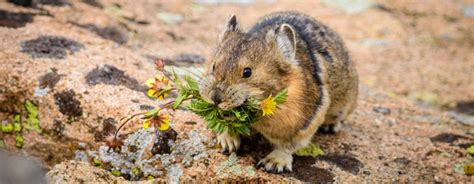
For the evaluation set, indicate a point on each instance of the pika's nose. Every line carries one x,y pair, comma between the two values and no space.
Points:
217,97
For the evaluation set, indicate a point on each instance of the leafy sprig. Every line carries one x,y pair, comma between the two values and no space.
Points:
237,120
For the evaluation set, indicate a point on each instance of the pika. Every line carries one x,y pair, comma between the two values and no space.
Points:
283,50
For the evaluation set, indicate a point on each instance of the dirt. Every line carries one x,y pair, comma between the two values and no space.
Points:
412,123
50,79
34,3
465,107
93,3
68,104
164,144
111,75
58,129
108,128
50,47
114,33
346,163
307,172
14,20
447,138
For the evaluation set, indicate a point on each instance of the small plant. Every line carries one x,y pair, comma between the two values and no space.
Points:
236,120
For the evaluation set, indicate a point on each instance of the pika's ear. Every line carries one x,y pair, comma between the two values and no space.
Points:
285,39
231,27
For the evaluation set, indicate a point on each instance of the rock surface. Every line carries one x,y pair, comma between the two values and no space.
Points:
415,60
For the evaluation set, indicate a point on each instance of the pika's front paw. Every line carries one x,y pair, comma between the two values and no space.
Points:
228,142
277,161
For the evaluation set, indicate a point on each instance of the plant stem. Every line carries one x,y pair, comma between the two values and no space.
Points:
166,105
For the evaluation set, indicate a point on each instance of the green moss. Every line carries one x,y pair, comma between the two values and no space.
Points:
116,172
32,120
469,169
470,150
2,144
7,128
150,178
19,141
17,123
136,171
312,150
97,162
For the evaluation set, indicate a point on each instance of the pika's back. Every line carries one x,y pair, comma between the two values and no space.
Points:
316,37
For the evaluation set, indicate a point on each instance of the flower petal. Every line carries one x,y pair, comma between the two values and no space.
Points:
164,125
151,93
146,124
150,82
268,106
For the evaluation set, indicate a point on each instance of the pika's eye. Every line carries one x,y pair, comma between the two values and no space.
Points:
213,67
247,72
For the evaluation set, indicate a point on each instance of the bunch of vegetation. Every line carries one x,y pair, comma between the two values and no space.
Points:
237,120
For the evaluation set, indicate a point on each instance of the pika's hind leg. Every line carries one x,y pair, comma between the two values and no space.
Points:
335,116
332,123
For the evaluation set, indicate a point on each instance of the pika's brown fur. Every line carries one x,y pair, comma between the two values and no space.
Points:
283,50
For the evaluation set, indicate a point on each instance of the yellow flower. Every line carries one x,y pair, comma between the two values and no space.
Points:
161,122
158,87
268,106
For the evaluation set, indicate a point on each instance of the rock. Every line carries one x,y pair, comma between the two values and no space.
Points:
218,2
79,172
382,110
189,58
350,6
20,169
462,118
468,11
174,172
170,18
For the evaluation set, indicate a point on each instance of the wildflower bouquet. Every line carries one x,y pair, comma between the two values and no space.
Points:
235,121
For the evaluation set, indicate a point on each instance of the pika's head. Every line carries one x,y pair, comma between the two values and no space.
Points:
245,65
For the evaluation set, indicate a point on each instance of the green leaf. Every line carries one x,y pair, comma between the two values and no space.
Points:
150,113
312,150
470,150
191,83
181,96
281,96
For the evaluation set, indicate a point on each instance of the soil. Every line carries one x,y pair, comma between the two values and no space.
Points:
413,122
14,20
111,75
50,47
68,104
